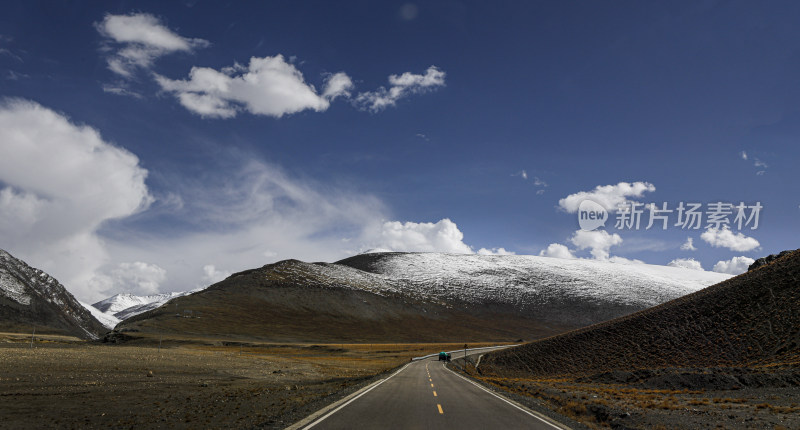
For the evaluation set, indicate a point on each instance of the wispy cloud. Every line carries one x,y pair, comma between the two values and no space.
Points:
135,41
401,86
758,163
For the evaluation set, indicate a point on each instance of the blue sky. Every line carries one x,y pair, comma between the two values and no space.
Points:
283,144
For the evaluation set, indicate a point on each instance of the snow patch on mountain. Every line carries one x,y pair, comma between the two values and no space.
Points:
108,320
525,281
123,306
41,299
13,289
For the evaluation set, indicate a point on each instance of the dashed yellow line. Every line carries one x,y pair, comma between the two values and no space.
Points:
440,408
434,394
431,385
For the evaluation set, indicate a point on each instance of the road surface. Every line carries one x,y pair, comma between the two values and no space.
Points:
426,395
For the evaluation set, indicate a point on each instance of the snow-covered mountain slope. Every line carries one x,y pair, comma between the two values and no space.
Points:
30,297
523,281
108,320
123,306
423,297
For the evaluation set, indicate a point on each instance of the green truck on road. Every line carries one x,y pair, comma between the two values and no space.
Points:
444,356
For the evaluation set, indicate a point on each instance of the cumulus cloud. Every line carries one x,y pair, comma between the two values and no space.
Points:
688,245
686,263
337,85
495,251
599,242
137,40
557,250
211,275
725,238
254,213
268,86
136,277
734,266
60,182
400,86
608,196
442,236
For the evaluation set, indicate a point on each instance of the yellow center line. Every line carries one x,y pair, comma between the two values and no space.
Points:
431,385
440,408
434,394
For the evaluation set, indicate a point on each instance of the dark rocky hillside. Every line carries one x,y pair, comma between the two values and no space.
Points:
750,320
30,297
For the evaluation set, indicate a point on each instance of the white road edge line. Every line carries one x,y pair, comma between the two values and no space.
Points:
545,419
347,400
351,398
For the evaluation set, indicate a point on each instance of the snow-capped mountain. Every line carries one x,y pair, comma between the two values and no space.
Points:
30,297
123,306
108,320
524,280
424,297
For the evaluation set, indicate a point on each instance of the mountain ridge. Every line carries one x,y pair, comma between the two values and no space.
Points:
415,296
30,297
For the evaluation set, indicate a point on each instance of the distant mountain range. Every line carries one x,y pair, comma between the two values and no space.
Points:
31,298
123,306
420,297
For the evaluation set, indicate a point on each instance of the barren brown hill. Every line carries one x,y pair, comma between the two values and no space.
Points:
750,320
291,302
418,297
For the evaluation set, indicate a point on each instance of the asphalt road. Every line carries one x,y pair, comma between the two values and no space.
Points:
426,395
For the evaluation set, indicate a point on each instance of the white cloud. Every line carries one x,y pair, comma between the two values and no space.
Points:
557,250
622,260
400,87
442,236
734,266
495,251
686,263
599,242
688,245
136,277
253,213
608,196
725,238
337,85
60,182
266,86
120,90
140,39
211,275
744,155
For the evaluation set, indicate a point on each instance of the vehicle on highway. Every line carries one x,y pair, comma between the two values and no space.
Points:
444,356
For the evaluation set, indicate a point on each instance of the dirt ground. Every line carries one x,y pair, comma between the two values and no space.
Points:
65,383
634,405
